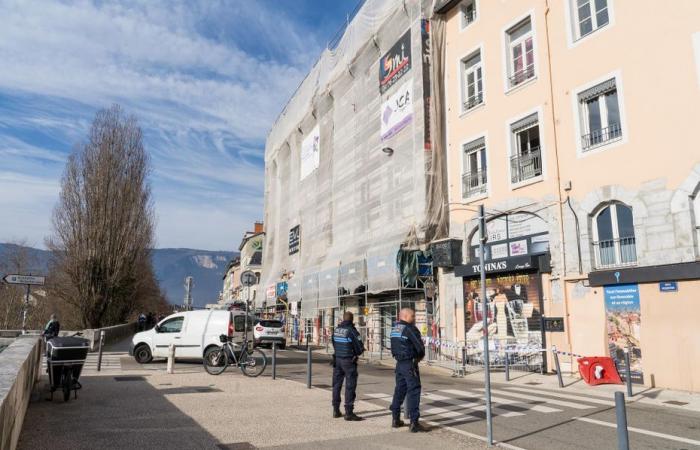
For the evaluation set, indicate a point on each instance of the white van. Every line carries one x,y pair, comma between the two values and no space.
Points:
192,332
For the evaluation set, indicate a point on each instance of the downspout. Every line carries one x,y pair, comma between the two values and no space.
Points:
560,208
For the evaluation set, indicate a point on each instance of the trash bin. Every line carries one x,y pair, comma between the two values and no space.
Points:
598,370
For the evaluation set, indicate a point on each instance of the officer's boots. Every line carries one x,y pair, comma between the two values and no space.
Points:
351,416
416,427
396,421
336,412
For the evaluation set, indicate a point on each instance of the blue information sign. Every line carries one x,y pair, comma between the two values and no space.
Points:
668,286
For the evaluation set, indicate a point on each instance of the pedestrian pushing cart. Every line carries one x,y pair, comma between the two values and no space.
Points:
65,357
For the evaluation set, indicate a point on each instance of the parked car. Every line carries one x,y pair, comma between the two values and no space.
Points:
192,332
268,331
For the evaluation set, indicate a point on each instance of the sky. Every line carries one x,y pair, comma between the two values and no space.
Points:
205,78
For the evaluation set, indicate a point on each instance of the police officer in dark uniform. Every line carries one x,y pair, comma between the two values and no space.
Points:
408,349
348,347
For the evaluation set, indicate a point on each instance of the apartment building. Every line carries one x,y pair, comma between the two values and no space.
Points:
573,122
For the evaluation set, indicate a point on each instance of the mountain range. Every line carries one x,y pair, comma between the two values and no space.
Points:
171,266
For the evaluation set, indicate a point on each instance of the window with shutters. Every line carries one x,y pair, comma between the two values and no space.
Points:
526,155
474,181
600,118
521,53
472,81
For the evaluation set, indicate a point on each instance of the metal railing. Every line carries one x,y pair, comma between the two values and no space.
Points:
615,252
522,75
473,101
474,183
525,166
602,136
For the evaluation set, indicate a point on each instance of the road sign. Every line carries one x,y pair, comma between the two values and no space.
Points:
668,286
25,279
248,278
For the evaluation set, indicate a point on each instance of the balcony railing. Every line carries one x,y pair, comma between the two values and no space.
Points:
522,75
474,183
473,101
526,166
615,253
602,136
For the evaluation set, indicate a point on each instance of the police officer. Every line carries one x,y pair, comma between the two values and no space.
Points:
348,347
408,349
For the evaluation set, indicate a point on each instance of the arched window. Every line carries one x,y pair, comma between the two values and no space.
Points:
613,234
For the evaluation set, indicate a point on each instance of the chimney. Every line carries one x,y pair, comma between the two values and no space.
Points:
258,227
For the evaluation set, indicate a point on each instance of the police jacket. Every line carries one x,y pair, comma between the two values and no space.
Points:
406,342
346,341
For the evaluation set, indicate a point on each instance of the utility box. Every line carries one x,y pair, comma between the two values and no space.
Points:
446,252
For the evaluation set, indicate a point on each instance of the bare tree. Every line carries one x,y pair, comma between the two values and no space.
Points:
103,224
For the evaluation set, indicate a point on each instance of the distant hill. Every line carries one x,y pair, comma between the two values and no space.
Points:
171,266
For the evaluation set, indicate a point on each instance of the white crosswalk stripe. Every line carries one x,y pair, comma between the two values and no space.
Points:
506,401
470,405
539,399
580,398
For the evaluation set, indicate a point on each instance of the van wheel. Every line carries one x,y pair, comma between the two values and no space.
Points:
142,354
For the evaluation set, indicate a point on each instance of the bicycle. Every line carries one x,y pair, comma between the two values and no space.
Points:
252,362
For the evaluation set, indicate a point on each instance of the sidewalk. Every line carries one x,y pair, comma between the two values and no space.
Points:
191,409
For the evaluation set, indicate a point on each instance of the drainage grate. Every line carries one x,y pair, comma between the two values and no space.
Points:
129,378
237,446
675,403
533,383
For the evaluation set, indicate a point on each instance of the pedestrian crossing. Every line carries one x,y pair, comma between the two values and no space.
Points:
110,361
451,406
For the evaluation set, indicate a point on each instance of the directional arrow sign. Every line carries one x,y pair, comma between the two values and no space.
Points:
24,279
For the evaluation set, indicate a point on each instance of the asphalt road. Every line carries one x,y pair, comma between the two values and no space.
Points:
529,417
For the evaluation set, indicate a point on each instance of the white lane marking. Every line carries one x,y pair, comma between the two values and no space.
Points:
505,401
379,396
470,405
566,396
670,437
539,399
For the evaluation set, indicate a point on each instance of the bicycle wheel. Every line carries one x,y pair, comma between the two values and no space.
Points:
215,360
253,362
66,384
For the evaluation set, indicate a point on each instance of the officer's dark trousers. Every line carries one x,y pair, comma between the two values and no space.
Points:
345,369
408,387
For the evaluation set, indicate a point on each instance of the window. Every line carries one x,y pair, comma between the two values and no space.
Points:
474,176
239,323
526,157
473,88
600,115
468,13
589,15
613,233
521,53
173,325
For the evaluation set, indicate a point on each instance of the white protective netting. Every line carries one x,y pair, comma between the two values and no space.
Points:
358,206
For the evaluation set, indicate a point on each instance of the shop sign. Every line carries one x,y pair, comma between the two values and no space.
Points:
294,239
504,265
281,289
310,153
512,235
623,323
397,110
294,308
395,63
270,292
668,286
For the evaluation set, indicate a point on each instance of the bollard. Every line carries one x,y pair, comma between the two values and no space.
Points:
308,367
274,360
171,359
507,368
628,373
623,442
556,365
99,351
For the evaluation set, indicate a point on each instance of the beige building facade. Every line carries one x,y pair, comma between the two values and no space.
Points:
573,122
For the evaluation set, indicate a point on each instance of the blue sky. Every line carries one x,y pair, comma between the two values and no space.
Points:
205,78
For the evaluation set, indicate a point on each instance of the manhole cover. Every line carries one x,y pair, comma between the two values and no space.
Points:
134,378
675,403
